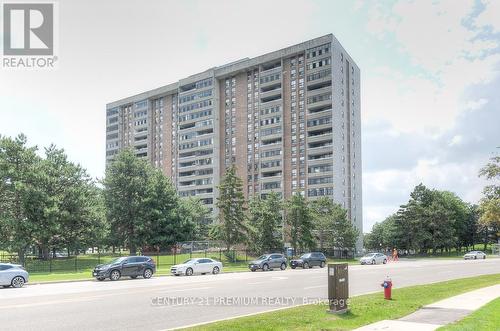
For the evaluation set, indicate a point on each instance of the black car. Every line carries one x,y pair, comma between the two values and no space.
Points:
131,266
309,260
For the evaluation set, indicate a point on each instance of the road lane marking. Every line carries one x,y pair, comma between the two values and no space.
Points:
311,287
279,278
190,289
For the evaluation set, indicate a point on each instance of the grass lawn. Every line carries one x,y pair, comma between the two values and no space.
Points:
56,276
364,309
40,277
487,317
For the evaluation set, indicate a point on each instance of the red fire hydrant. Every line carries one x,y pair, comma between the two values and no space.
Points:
387,285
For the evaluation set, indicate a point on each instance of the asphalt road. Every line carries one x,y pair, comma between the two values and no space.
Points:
144,304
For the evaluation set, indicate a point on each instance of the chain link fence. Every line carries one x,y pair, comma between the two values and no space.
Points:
182,251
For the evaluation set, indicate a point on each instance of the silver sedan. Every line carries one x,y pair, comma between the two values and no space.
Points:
373,258
13,275
197,266
474,255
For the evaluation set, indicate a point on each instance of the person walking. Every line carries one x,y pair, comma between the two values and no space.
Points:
395,254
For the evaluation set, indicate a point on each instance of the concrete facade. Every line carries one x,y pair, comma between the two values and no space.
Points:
289,120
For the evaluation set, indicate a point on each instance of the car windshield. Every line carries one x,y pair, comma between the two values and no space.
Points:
305,256
189,261
262,257
118,260
370,255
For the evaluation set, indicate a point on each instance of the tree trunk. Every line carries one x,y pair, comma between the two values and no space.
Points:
133,250
20,255
45,252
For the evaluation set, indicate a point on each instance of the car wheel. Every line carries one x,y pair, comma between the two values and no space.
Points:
189,272
322,265
100,279
373,262
147,273
385,261
475,257
283,266
253,270
17,282
293,267
484,256
115,275
265,267
216,270
305,265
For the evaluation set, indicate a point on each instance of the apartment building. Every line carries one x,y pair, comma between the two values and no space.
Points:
289,120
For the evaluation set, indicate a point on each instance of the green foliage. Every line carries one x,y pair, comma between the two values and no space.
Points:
266,223
382,235
232,226
17,170
332,225
490,203
46,202
432,220
143,209
300,223
194,212
345,234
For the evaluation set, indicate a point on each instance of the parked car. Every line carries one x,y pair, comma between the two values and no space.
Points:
13,275
197,266
58,255
268,262
309,260
474,255
131,266
373,258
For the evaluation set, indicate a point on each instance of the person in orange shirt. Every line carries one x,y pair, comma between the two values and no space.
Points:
395,254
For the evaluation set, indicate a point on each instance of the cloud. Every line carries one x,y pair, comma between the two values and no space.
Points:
444,57
490,16
476,104
395,162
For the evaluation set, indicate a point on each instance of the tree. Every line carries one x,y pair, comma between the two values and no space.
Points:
18,163
383,235
127,180
232,226
459,216
266,221
345,234
410,232
49,202
300,223
165,217
195,212
323,210
490,203
438,223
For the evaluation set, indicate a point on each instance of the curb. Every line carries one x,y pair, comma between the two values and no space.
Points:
91,279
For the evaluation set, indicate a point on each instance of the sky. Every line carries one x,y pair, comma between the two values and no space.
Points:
430,78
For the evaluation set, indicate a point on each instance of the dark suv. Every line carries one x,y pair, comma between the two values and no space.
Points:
309,260
131,266
268,262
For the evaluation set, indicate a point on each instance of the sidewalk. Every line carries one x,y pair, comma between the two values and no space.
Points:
440,313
